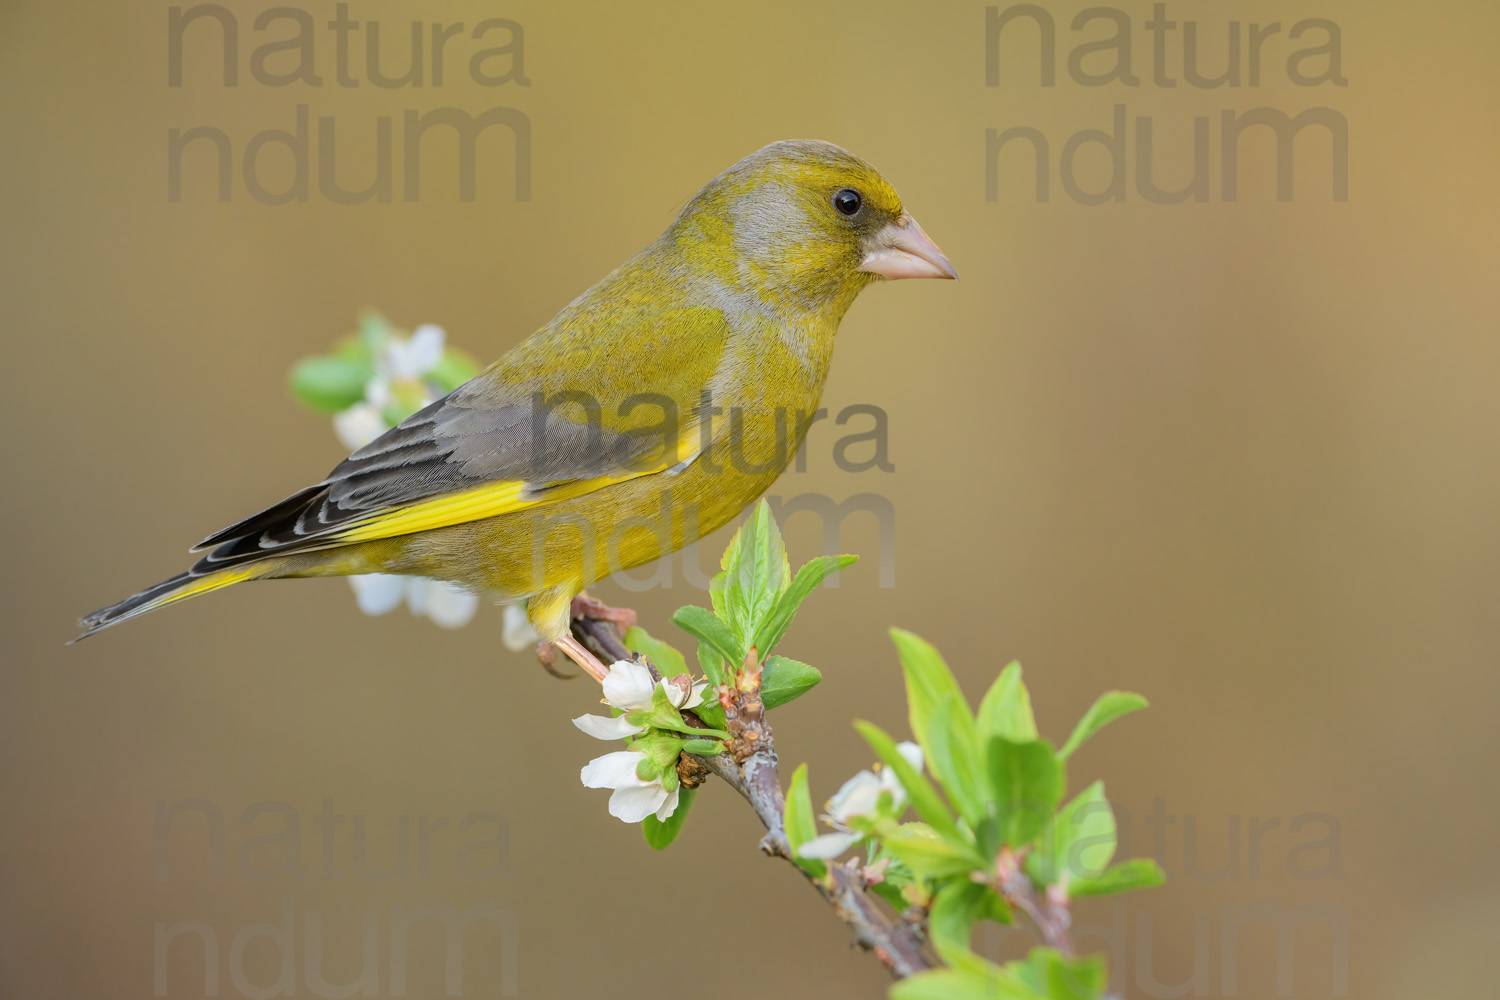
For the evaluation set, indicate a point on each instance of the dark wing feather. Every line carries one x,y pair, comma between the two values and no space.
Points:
511,425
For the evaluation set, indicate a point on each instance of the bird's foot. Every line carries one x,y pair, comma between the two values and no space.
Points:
576,652
546,653
585,606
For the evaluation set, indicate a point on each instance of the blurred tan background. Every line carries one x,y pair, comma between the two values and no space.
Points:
1240,457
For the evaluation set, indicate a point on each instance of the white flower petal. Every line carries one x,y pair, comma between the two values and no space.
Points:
855,797
677,694
377,593
668,807
414,356
425,349
606,728
613,770
633,803
448,605
518,635
696,698
911,752
628,685
358,425
378,391
828,846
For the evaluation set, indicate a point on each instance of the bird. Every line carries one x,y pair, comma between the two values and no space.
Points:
647,413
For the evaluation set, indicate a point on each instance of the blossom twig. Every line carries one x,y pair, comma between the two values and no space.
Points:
752,772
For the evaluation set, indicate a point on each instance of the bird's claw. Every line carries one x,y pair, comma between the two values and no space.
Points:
546,653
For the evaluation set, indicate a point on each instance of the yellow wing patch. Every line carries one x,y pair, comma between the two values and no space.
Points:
504,497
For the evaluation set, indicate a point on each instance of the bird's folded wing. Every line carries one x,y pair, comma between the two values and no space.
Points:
624,407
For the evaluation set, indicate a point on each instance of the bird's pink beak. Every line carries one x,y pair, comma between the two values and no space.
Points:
903,250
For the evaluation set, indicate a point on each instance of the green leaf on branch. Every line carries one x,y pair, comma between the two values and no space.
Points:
755,573
1056,976
1026,782
659,833
952,752
1110,706
928,681
1006,709
956,908
1137,873
712,663
801,825
1079,841
963,984
924,798
808,578
783,679
330,384
374,331
708,628
668,661
927,853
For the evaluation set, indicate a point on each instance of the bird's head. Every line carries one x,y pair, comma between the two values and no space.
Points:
806,225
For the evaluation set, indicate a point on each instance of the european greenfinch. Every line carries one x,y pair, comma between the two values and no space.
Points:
647,413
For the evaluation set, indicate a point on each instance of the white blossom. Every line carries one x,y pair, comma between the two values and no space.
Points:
629,686
634,797
444,603
414,356
858,797
518,634
359,425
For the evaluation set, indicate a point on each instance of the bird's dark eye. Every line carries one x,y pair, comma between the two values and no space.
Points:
847,201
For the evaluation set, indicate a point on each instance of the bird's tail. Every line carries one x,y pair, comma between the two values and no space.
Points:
182,586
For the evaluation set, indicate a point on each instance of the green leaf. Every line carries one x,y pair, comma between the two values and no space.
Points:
704,748
1006,709
1078,843
801,826
668,661
1110,706
783,680
1137,873
924,798
330,384
804,583
755,574
952,751
711,712
929,854
704,625
956,908
890,893
350,347
712,663
962,984
1026,781
1062,977
374,331
660,833
928,680
456,368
